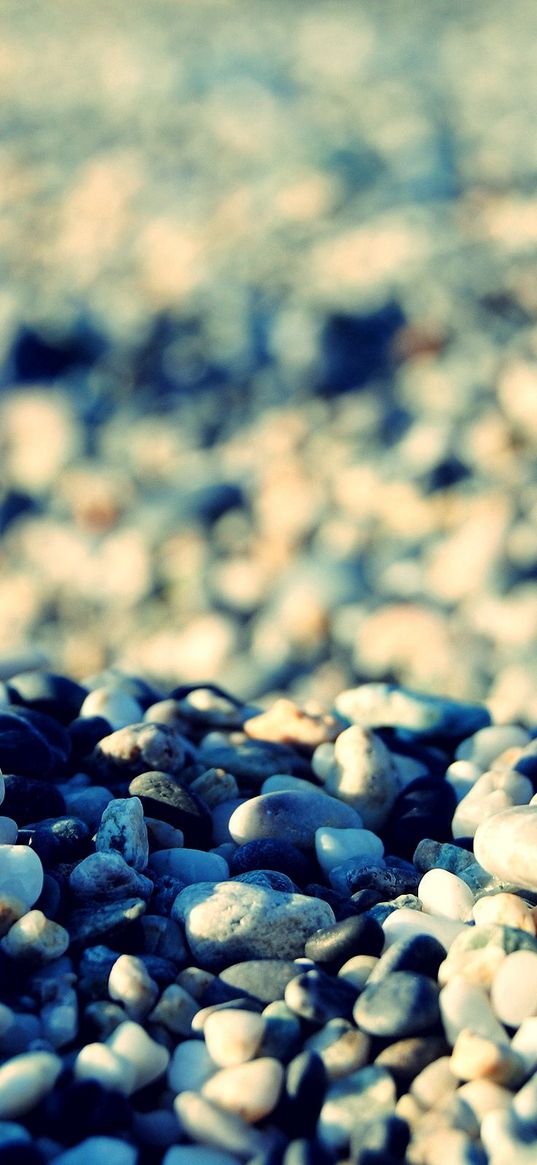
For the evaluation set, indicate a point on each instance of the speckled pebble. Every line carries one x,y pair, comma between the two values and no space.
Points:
123,830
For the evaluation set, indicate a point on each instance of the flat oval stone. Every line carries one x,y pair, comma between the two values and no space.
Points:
419,952
506,845
403,1003
229,921
249,1090
25,1080
165,798
289,816
318,997
262,979
333,945
384,705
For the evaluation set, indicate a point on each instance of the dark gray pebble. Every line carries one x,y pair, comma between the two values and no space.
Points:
380,1141
57,696
27,800
56,736
254,761
165,798
333,945
406,1058
389,881
302,1095
420,952
318,997
270,854
60,839
341,904
103,921
165,892
23,750
262,979
271,878
85,732
404,1003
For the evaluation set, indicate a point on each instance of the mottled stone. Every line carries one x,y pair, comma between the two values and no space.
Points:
137,749
286,723
105,876
123,830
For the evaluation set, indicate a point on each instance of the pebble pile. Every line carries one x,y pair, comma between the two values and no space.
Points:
242,936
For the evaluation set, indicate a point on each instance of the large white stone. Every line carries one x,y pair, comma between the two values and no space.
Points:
506,845
21,873
25,1080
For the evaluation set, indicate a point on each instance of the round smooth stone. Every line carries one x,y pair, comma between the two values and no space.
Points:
424,808
208,1123
271,854
443,893
334,846
25,1080
28,801
137,749
363,774
23,749
406,1058
488,743
130,984
249,1090
123,830
384,705
405,922
367,1094
403,1003
190,1066
189,865
318,997
341,1046
99,1062
148,1058
175,1010
465,1005
35,939
289,816
333,945
165,798
233,1036
95,1150
227,922
8,831
478,951
506,909
21,873
419,952
514,988
303,1094
506,844
57,696
116,706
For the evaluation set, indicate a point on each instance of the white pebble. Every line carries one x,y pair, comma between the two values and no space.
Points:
492,793
116,706
444,894
465,1005
8,829
514,988
190,1066
95,1150
405,923
175,1010
149,1059
281,782
21,873
488,743
100,1062
130,984
249,1091
25,1080
124,831
233,1036
524,1043
462,776
334,846
35,938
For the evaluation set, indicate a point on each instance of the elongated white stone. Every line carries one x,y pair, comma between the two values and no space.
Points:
21,873
514,988
506,845
444,894
25,1080
334,846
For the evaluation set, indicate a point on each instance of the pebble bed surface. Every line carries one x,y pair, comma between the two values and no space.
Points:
265,962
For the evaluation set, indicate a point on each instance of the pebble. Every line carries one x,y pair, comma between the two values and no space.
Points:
505,845
303,1093
491,793
403,1003
114,705
357,970
8,831
103,920
282,1031
197,1155
271,854
434,1082
137,749
233,1036
190,1066
88,804
390,880
248,1090
28,800
252,760
289,816
341,1046
478,951
189,865
57,696
444,894
484,746
333,945
34,939
318,997
362,773
209,1124
286,723
382,705
475,1057
513,991
230,921
215,786
506,909
175,1010
107,876
99,1062
25,1080
123,830
164,797
334,846
367,1094
406,1058
130,985
405,922
148,1058
164,937
466,1005
23,749
21,873
415,952
93,1150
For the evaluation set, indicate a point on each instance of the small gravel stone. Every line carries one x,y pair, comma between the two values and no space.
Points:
289,816
34,939
230,921
21,873
148,1058
116,706
25,1080
130,984
514,988
233,1036
248,1090
123,830
164,797
361,772
506,843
